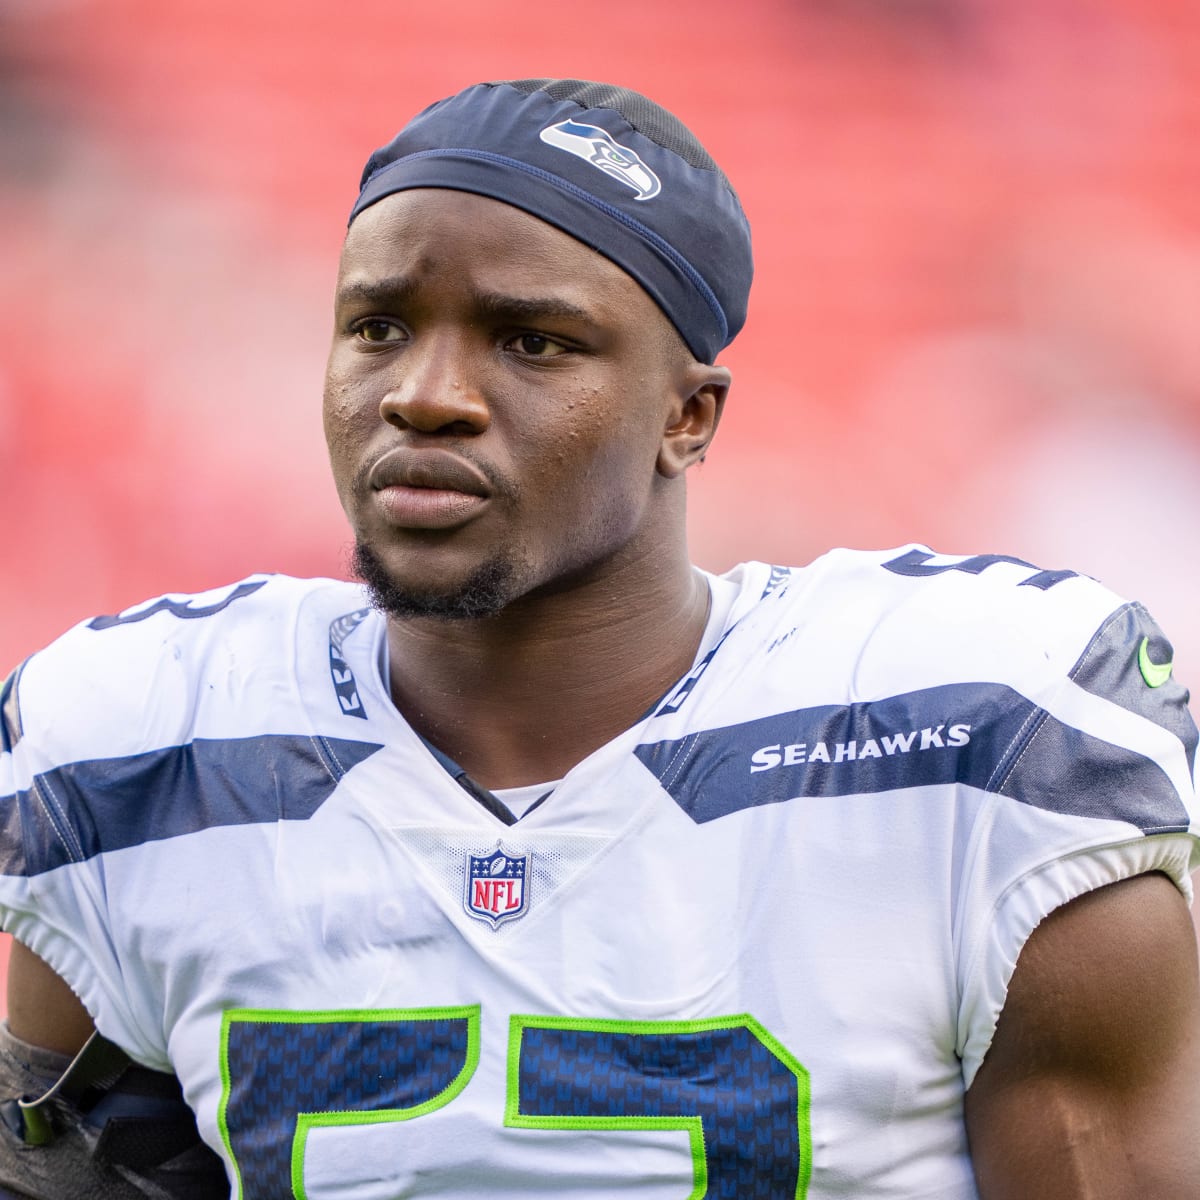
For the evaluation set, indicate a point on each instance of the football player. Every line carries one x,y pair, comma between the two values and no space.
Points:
545,862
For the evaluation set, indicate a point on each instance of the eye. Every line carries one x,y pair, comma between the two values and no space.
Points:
536,345
376,329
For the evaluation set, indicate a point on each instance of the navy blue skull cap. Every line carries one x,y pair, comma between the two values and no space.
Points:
607,166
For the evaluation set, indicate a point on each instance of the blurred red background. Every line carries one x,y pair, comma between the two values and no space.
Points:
975,323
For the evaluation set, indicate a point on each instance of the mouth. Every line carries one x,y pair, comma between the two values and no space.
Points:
427,489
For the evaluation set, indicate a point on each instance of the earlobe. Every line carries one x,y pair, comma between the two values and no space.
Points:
693,422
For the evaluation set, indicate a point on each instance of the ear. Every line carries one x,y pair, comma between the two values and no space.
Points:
693,421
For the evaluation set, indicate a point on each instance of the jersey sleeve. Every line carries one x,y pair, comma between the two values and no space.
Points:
52,894
91,711
1097,785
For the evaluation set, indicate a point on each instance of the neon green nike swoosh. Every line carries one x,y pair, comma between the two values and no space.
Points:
1155,674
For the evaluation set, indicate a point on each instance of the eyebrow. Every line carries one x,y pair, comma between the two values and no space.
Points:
489,305
529,308
390,289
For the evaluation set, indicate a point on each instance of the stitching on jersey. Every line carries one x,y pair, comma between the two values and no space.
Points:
671,776
689,755
1038,721
57,814
326,754
1028,732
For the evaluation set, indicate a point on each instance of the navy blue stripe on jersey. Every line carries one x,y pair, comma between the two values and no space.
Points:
10,712
1109,668
78,811
1063,770
983,735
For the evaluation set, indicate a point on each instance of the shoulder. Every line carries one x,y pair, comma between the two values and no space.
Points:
994,594
142,678
130,727
911,618
1092,670
1040,686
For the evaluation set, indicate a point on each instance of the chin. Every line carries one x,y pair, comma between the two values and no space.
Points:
483,593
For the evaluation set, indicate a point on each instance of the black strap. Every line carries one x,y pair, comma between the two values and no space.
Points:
489,800
91,1073
133,1120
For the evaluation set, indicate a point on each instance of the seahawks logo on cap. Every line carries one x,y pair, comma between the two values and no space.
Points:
594,145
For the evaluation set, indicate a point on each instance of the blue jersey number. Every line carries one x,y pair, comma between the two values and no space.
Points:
177,608
737,1093
916,563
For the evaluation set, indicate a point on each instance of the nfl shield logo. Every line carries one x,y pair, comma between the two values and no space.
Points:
497,890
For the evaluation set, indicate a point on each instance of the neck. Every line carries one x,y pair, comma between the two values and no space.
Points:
521,697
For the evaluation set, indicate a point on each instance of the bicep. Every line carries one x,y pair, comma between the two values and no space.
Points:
1091,1087
42,1009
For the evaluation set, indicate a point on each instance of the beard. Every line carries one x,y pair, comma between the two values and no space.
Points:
483,594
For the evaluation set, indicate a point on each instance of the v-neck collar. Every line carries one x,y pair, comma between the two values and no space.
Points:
588,772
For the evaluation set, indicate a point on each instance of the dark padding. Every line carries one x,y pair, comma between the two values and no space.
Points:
136,1141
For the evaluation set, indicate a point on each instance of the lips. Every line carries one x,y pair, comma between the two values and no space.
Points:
427,489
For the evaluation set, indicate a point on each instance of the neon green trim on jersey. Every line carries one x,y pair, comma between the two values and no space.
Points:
693,1126
308,1121
1155,674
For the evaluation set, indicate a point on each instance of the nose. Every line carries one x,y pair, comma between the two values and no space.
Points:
435,391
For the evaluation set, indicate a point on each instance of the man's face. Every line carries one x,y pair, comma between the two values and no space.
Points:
495,404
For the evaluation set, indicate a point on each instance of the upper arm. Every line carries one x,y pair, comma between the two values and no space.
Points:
1091,1087
139,1139
42,1009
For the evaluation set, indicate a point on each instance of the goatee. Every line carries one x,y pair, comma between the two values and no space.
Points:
483,594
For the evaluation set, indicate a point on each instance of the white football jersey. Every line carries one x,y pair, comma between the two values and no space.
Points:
754,947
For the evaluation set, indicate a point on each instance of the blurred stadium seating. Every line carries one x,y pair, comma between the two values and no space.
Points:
976,321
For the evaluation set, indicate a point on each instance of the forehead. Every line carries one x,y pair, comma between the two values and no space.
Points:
437,234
